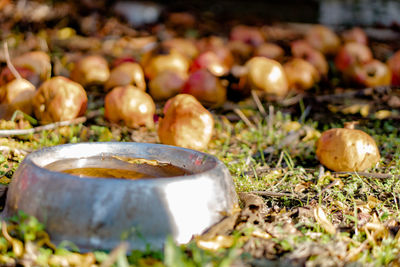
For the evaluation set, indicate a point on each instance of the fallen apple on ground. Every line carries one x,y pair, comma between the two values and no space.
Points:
207,88
130,105
351,54
356,35
323,39
267,75
394,66
173,61
90,70
373,73
166,85
16,95
302,49
184,46
36,61
270,50
127,73
347,149
247,34
301,75
186,123
7,76
59,99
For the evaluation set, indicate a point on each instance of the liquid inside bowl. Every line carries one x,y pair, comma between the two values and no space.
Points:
116,167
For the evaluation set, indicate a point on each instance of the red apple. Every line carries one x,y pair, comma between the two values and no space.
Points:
373,73
270,50
207,88
267,75
352,54
186,123
356,35
166,85
394,66
209,60
118,61
302,49
7,76
130,105
36,61
301,74
247,34
210,43
323,39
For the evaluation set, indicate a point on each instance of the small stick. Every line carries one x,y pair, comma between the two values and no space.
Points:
244,118
278,165
9,64
370,175
258,103
336,182
51,126
293,100
273,194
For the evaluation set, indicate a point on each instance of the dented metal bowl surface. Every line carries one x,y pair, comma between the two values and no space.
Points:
99,213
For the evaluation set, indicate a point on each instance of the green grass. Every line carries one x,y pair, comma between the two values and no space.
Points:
278,156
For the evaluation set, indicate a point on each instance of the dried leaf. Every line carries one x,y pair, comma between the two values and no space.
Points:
216,243
261,234
322,220
383,114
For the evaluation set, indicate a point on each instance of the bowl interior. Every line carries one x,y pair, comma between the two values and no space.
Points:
159,160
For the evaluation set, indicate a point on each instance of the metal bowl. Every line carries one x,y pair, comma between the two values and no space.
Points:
98,213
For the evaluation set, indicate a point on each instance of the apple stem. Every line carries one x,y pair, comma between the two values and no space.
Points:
9,64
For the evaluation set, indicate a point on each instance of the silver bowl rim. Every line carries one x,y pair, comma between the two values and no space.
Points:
60,175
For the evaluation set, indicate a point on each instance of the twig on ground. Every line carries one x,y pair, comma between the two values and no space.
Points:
273,194
336,182
51,126
369,175
258,103
293,100
244,118
278,165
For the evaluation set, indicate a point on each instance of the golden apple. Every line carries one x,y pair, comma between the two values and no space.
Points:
323,39
127,73
342,149
173,61
90,70
130,105
17,95
59,99
301,75
186,123
267,75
